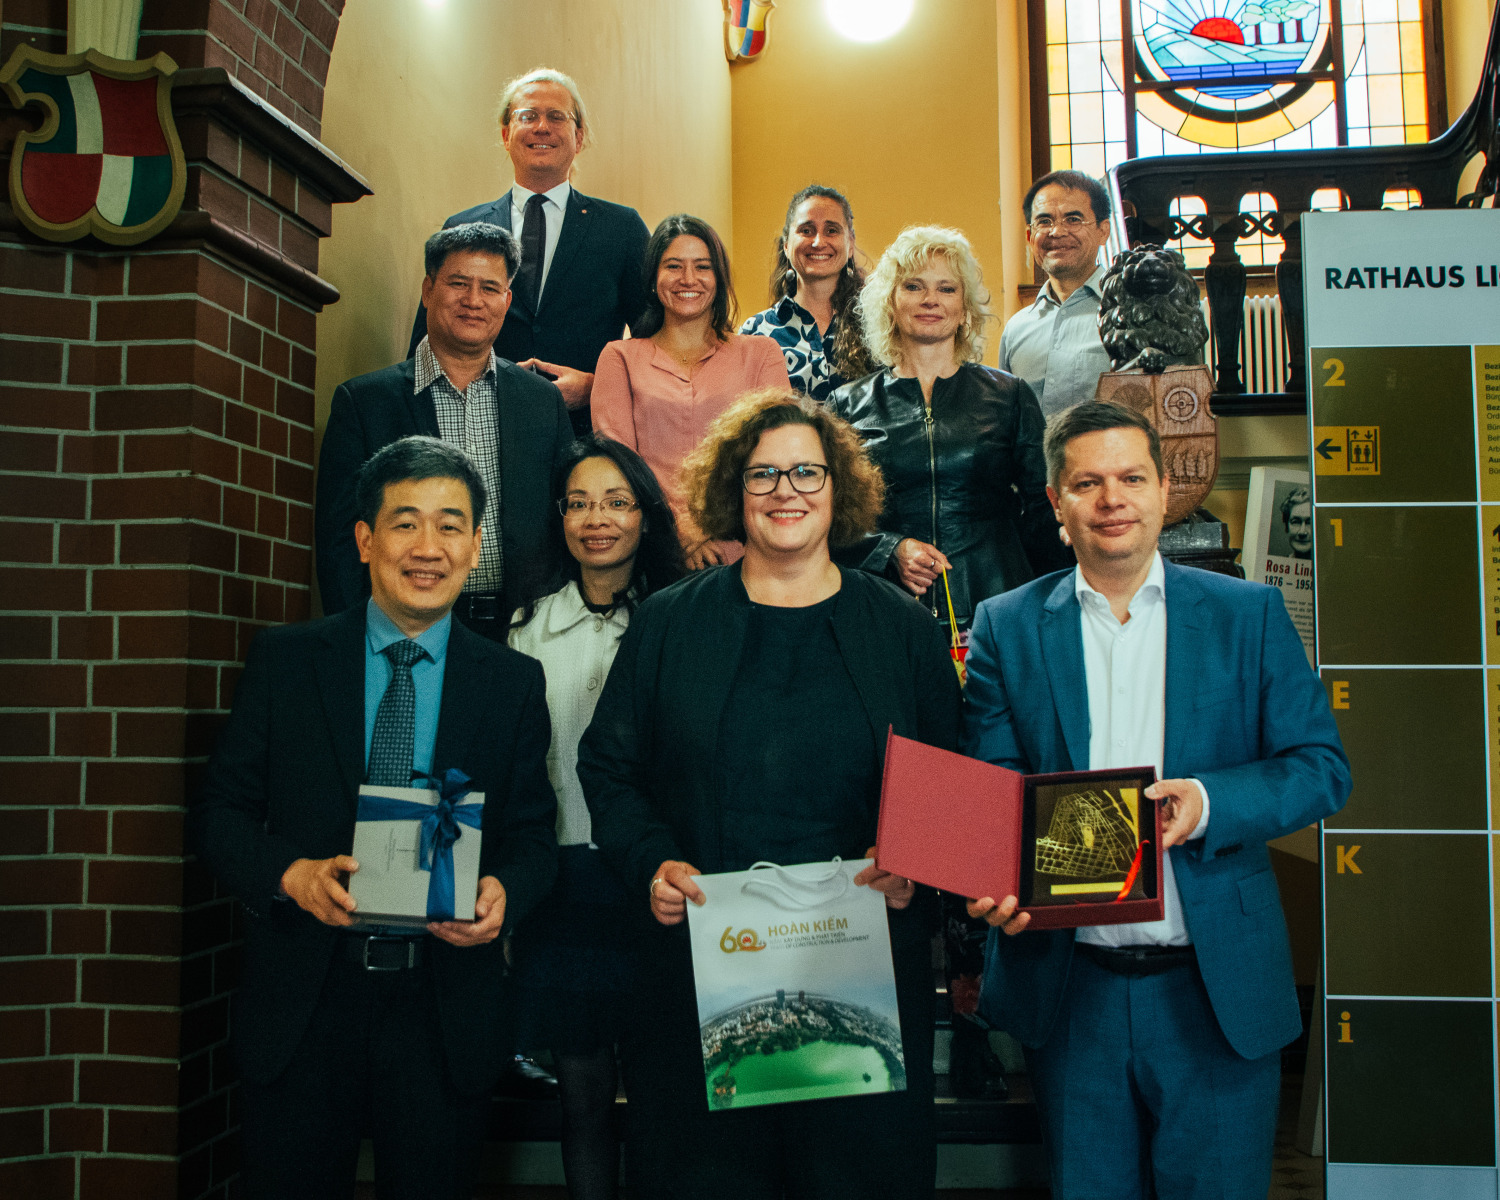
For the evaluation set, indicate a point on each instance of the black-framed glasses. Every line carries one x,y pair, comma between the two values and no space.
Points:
611,506
529,117
804,477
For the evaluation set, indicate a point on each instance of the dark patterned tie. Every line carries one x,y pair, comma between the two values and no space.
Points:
533,251
396,719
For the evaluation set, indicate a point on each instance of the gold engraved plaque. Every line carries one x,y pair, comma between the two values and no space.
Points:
1089,840
1093,837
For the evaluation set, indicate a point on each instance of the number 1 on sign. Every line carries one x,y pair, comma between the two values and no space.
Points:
1338,530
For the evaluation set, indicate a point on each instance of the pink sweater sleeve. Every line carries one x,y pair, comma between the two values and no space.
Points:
612,401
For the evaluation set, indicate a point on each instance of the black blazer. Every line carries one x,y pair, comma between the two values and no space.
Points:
283,784
649,759
372,411
593,290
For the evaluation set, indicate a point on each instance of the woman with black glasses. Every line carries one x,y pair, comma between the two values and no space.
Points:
612,543
745,720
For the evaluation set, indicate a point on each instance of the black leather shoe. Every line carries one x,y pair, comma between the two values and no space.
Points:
522,1079
974,1070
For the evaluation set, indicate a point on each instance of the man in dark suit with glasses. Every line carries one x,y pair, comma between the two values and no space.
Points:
580,280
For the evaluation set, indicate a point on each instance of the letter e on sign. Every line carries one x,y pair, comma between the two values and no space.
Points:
1344,857
1340,693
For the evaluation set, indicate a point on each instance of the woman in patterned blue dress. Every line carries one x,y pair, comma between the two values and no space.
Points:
814,286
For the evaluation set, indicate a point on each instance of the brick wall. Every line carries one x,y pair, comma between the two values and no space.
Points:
279,49
156,448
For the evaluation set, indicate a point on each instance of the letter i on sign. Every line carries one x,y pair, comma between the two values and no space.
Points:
1344,1027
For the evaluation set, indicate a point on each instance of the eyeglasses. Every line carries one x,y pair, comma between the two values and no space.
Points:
610,506
804,477
527,117
1072,222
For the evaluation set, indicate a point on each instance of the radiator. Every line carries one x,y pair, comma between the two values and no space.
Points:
1262,345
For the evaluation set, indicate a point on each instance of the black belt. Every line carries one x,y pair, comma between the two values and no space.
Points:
380,952
478,606
1138,960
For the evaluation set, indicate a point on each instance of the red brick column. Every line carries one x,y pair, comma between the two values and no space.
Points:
156,443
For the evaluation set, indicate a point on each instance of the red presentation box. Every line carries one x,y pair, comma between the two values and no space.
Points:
971,828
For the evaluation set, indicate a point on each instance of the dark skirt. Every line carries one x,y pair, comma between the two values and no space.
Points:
572,965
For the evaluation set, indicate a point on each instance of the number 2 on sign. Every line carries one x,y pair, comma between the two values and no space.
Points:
1336,365
1338,530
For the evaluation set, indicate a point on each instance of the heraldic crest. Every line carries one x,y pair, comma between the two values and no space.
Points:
107,160
746,28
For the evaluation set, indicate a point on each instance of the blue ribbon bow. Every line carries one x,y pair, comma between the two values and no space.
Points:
440,830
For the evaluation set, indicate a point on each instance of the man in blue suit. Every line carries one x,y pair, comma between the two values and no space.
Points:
1153,1047
580,281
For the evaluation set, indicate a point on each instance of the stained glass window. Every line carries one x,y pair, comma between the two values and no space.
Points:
1135,78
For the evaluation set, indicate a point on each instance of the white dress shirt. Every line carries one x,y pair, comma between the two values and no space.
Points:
576,648
1125,668
555,206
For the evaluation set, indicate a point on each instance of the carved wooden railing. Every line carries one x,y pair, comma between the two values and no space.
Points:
1146,188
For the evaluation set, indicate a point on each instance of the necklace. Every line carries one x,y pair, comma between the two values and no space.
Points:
683,358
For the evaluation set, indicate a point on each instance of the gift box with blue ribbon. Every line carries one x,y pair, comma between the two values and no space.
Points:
418,853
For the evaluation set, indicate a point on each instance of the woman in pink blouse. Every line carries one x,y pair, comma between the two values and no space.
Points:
658,391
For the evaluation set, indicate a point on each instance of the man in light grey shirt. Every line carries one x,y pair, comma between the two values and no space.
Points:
1053,343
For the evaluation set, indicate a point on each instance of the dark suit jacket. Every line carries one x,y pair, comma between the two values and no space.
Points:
283,784
1245,715
592,292
372,411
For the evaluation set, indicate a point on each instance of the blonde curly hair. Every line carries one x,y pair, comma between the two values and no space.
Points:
913,249
712,475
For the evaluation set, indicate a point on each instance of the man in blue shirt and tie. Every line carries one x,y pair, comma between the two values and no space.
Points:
1154,1047
343,1031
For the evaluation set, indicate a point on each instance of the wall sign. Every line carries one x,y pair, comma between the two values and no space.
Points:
1405,423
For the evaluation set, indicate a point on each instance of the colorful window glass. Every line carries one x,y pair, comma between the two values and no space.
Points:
1136,78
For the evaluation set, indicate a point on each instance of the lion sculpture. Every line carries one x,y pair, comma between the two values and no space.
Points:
1148,312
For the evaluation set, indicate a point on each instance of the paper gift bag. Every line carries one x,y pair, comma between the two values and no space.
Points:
418,853
796,991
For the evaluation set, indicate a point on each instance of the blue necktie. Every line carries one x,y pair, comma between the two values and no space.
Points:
396,719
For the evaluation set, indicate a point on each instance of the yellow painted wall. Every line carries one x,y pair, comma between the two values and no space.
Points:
906,128
1466,28
410,104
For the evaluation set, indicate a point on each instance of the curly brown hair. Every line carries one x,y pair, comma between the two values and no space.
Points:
848,354
712,474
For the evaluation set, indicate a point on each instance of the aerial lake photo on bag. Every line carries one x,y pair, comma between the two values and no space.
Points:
779,1049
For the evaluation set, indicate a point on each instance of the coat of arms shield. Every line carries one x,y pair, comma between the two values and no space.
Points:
107,160
746,28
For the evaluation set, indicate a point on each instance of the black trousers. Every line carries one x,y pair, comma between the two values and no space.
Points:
371,1062
856,1147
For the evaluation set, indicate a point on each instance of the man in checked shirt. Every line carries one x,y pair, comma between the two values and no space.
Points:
511,422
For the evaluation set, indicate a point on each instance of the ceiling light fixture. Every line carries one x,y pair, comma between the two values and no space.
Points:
868,20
